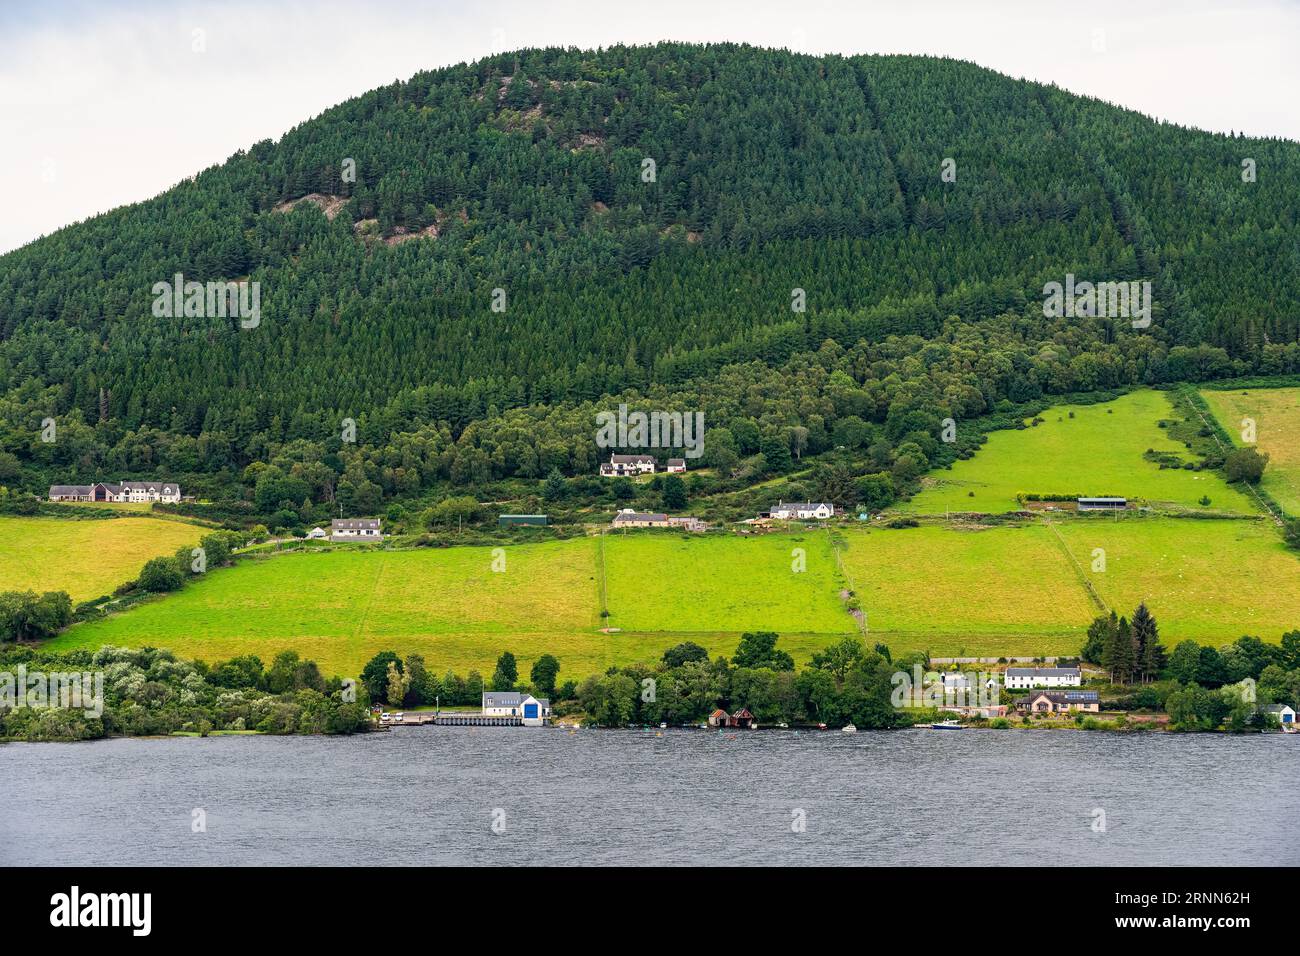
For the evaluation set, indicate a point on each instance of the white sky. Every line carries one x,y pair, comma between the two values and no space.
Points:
108,103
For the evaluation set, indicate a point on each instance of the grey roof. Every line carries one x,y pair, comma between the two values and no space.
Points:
638,516
1042,671
676,461
630,459
155,486
354,524
70,489
502,698
1276,708
1071,696
802,506
159,486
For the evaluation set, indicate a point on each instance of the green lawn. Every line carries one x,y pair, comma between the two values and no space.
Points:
87,558
1098,451
1276,414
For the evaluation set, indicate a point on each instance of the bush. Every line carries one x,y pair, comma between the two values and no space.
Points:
1244,464
160,575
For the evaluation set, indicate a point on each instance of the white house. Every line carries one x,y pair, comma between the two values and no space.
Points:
532,711
151,491
802,511
621,466
1022,677
676,465
1284,714
355,529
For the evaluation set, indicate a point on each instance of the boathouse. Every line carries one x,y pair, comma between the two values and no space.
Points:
532,711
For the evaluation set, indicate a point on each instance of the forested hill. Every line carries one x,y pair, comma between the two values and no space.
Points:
529,172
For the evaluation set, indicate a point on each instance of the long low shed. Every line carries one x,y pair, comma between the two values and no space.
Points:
1102,504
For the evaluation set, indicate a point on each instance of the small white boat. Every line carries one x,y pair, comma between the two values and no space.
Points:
849,729
663,726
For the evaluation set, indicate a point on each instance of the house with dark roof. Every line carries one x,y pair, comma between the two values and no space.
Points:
628,518
623,466
676,465
356,529
70,492
1060,702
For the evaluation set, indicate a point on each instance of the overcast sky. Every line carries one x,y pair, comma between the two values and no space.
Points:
110,102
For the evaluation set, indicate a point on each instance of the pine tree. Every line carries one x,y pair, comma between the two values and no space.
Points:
1119,655
1099,633
1153,660
1150,654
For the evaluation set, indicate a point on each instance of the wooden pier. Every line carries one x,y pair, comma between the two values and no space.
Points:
453,720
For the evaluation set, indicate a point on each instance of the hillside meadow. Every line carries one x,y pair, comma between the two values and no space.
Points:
952,590
341,606
1210,580
87,558
968,592
1276,415
1078,450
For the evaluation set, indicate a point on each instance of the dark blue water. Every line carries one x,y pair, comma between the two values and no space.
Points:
425,795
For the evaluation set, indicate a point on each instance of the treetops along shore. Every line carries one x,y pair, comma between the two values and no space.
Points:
152,692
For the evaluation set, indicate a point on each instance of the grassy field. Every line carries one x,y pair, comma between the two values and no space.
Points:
1207,580
86,558
1276,413
341,606
960,592
1098,451
1012,590
715,583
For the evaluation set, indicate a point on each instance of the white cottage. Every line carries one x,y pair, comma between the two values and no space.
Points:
802,511
356,529
1019,678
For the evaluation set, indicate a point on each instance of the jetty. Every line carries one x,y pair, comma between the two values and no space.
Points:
445,719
